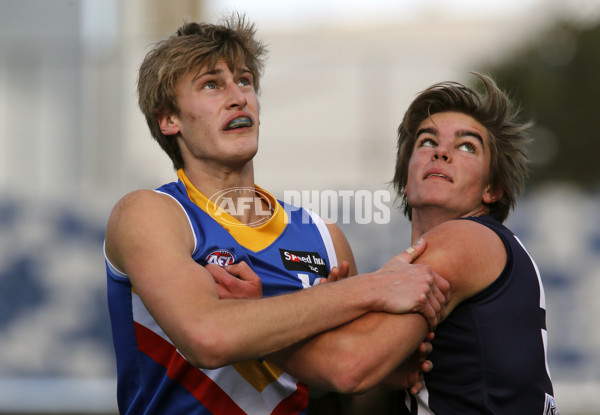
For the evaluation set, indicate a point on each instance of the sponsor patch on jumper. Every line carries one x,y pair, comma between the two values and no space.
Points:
304,261
221,257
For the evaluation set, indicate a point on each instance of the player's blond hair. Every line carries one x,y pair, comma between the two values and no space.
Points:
194,46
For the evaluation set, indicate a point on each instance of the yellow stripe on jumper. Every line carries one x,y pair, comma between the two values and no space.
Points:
258,374
255,238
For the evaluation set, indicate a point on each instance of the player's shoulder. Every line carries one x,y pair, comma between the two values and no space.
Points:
143,215
143,200
467,253
144,208
466,241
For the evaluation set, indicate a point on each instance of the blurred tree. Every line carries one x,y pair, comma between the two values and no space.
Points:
555,79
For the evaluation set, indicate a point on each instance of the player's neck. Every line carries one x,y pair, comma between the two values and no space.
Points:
212,179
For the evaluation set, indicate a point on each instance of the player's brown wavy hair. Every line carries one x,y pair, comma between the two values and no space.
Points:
194,46
508,137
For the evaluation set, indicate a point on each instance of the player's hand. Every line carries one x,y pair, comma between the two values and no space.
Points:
414,288
236,281
410,374
337,273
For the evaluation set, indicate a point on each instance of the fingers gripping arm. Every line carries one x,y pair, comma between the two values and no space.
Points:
236,281
360,354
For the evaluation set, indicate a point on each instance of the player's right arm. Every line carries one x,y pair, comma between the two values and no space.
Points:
357,356
148,237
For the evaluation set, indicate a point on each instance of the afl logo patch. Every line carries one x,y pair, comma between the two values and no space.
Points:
238,201
221,257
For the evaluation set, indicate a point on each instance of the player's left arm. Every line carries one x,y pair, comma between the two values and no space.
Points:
356,356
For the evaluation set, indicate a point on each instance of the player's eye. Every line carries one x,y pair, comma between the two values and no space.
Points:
209,85
427,142
244,82
467,146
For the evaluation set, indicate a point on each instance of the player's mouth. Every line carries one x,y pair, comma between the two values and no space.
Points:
239,122
437,174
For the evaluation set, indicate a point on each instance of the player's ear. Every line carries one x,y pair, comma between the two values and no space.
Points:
168,124
491,195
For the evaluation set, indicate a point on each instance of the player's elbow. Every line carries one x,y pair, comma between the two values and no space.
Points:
207,350
205,358
349,375
346,383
